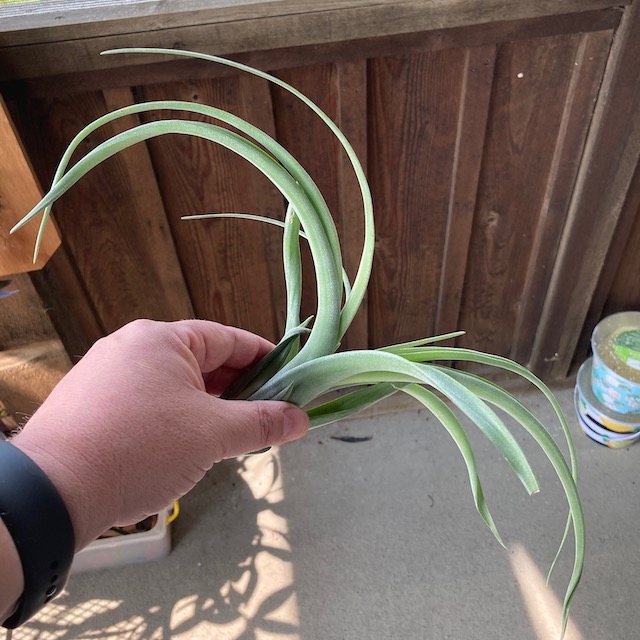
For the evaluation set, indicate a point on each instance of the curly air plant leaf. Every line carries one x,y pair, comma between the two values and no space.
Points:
305,365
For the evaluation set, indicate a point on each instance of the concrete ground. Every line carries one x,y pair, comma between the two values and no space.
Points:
375,539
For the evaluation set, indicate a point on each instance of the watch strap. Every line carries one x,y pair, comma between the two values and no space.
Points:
37,519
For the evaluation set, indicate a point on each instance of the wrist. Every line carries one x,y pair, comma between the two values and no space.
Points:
85,511
37,520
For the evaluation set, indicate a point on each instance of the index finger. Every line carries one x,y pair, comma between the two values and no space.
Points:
216,345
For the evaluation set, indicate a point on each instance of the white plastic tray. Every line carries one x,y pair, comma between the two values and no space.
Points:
123,550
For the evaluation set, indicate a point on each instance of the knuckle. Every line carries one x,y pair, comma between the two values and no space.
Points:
270,428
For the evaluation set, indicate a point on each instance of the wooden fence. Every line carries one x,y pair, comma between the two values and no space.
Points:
502,149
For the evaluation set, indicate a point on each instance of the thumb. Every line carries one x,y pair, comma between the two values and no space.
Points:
256,424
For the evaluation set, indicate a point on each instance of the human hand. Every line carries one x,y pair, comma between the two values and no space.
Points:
137,422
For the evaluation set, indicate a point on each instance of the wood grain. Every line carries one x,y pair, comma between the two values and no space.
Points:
19,191
148,70
58,19
352,119
586,78
225,261
500,153
340,91
611,156
531,81
253,26
618,287
415,101
471,127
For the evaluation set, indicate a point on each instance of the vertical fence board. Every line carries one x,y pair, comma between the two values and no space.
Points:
612,153
224,260
469,147
149,208
302,133
352,120
530,84
586,77
414,106
340,91
618,287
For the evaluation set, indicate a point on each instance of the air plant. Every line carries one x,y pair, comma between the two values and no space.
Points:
306,364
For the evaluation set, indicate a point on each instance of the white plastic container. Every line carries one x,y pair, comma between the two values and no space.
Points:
128,549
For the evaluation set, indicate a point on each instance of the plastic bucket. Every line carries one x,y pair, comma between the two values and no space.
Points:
589,405
595,431
615,373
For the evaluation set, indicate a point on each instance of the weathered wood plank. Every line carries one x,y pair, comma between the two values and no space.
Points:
469,146
301,132
137,166
531,82
490,34
586,78
611,156
19,191
250,26
618,287
414,107
51,19
352,120
68,304
340,91
225,261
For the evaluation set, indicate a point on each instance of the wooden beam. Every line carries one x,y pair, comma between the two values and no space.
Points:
147,70
19,191
61,41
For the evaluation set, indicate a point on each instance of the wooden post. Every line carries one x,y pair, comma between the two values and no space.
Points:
19,192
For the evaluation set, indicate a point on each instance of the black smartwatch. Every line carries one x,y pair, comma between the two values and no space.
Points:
38,521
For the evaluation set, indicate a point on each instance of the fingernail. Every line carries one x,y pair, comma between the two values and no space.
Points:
295,424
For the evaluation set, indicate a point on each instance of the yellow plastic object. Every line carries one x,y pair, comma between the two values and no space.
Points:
174,513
